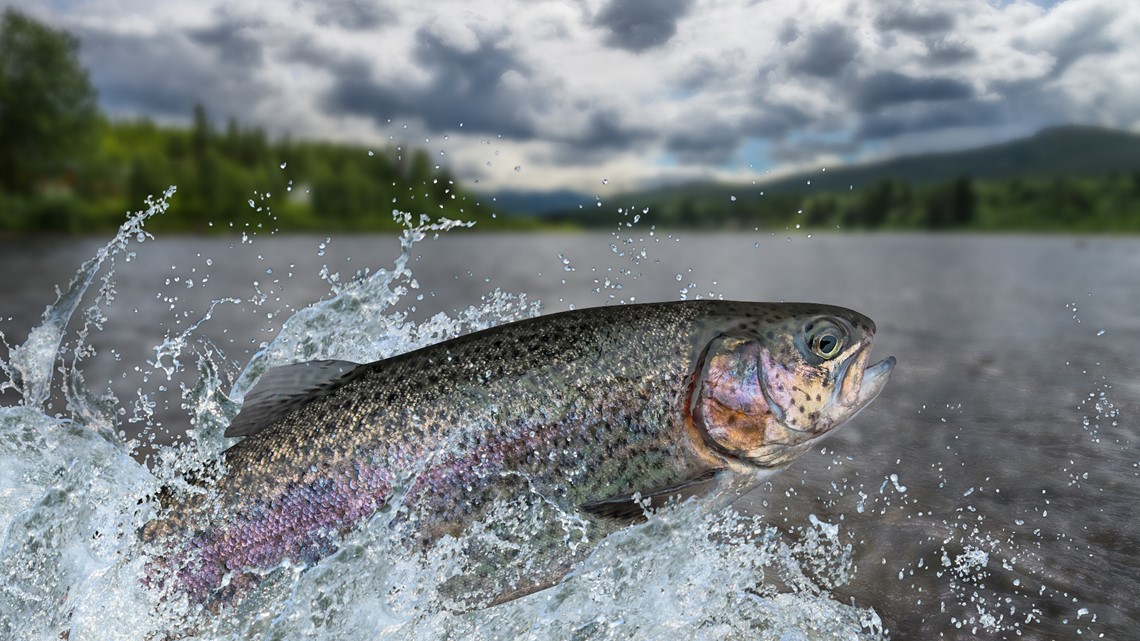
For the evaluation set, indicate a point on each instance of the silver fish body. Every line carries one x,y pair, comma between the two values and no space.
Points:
599,412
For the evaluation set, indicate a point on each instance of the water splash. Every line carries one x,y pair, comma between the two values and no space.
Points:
72,499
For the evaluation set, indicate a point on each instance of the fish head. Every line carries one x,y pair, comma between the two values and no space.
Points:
764,393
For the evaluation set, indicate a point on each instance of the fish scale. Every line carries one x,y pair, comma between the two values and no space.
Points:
585,410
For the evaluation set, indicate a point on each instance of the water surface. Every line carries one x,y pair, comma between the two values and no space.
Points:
988,493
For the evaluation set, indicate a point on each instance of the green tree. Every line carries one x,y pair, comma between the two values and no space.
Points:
147,176
202,132
687,215
965,201
47,105
872,206
952,205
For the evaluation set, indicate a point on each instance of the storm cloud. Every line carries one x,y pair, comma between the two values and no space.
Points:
166,75
823,52
638,25
463,86
354,15
885,88
634,90
232,42
913,20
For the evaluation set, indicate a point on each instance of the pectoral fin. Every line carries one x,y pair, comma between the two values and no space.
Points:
628,508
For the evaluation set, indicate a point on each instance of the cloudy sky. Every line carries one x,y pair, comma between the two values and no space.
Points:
630,92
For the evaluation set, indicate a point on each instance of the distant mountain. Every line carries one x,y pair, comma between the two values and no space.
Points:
537,203
1071,150
1066,150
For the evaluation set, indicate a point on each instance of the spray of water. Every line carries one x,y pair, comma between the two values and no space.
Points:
72,499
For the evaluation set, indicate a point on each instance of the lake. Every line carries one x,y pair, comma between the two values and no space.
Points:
988,493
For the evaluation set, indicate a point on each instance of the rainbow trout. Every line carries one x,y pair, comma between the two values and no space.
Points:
601,413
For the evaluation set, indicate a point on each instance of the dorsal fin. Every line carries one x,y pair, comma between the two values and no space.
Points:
283,389
626,508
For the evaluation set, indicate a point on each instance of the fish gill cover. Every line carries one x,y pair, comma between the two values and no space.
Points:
73,498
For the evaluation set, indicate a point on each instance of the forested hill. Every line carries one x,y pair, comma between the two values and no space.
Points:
1070,178
1072,151
234,176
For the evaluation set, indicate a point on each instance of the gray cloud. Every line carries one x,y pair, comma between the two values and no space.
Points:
354,15
804,150
945,51
606,130
885,88
165,75
707,140
465,86
604,133
845,75
712,143
638,25
912,20
917,117
705,71
232,41
824,52
775,121
1085,37
788,32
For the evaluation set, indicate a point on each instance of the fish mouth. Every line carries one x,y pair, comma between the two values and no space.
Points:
875,378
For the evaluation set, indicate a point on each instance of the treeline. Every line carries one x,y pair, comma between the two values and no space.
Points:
66,167
235,176
1074,204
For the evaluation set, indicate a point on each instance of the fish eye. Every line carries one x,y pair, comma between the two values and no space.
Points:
826,339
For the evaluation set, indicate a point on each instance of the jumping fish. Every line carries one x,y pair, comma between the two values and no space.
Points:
601,412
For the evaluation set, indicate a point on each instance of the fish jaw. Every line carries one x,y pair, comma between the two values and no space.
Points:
873,379
783,442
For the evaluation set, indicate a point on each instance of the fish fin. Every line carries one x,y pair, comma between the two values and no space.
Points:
628,508
281,390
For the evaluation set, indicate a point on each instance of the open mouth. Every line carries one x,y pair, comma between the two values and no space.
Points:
875,378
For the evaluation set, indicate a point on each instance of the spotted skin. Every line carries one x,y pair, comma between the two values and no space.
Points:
574,407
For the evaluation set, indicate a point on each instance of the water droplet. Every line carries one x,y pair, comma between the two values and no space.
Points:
371,153
1100,333
732,198
518,168
283,165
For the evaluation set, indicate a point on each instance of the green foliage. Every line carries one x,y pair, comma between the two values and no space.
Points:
1076,204
1068,178
47,106
238,178
63,167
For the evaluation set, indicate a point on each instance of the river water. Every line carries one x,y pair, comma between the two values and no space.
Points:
988,493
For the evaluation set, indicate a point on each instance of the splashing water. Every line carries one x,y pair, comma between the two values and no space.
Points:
72,498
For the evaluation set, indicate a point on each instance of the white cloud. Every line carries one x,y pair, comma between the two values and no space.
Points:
632,92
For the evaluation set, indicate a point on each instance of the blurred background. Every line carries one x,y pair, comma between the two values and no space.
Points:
971,114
